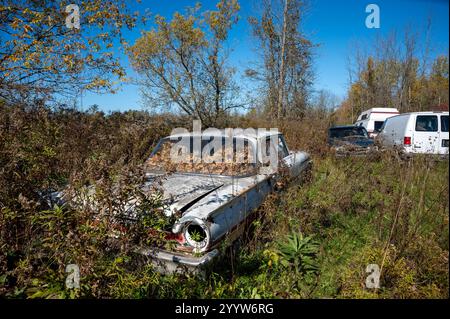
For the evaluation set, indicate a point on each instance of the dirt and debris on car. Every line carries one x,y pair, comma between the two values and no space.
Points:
350,140
209,203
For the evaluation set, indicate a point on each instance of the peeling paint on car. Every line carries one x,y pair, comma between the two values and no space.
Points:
217,205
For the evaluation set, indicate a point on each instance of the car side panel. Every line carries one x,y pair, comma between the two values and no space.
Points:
225,220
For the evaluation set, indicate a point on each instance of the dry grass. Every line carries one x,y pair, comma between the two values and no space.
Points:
376,209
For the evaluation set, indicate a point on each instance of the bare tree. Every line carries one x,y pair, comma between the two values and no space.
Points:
391,73
183,63
282,61
285,73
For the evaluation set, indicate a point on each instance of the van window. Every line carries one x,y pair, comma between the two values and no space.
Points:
364,117
427,123
444,123
377,125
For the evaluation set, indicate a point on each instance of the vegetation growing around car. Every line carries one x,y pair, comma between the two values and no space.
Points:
312,240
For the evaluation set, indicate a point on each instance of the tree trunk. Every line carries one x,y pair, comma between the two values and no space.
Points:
282,57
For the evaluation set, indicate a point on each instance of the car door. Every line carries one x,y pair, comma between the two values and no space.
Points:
426,134
443,135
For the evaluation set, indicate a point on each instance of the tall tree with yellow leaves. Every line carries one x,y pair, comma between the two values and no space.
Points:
44,55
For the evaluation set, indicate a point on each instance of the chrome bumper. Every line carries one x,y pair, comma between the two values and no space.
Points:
168,262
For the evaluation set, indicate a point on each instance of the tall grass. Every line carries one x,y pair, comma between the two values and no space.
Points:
351,212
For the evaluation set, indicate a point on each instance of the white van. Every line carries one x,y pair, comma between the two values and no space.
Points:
420,132
372,120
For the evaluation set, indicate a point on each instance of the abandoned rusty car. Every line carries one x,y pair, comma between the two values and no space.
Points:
211,200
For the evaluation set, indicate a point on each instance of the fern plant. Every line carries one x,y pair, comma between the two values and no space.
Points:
299,252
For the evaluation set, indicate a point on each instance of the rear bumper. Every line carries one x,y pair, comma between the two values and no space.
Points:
169,262
415,151
435,156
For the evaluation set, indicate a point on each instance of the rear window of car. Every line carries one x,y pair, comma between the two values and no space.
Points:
444,123
427,123
220,156
347,131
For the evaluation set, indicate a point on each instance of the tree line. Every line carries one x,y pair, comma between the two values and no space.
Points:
183,62
396,71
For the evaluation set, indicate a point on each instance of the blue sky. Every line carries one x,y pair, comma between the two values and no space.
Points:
334,25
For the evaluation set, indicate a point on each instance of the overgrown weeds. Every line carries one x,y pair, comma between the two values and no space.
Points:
353,212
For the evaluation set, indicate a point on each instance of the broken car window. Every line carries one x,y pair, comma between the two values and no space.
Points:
282,149
234,158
